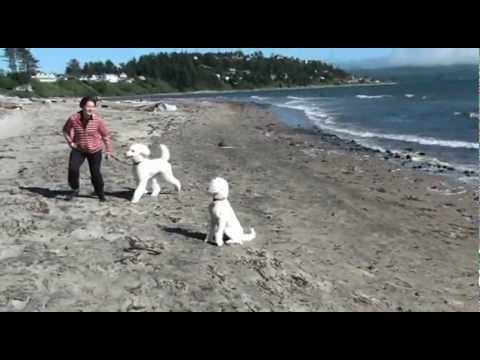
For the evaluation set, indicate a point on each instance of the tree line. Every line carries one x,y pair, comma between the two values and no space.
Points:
197,71
21,60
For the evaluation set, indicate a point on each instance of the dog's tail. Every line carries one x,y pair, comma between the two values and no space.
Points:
165,152
250,236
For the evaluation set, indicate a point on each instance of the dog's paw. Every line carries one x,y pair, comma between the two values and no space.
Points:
231,242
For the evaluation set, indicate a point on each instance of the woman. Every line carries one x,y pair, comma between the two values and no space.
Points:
86,133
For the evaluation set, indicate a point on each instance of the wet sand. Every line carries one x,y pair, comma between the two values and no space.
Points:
338,229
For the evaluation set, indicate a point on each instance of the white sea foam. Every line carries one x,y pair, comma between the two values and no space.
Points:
409,95
254,97
372,96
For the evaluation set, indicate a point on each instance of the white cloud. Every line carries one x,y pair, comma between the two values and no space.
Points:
433,56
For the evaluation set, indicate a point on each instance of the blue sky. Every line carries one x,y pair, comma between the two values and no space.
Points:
55,59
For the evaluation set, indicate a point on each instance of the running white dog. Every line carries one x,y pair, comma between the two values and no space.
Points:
222,217
145,169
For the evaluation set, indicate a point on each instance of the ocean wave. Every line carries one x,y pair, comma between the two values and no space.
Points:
409,95
295,98
324,121
408,138
372,96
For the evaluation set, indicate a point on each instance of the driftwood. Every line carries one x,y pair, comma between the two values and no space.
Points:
157,107
10,106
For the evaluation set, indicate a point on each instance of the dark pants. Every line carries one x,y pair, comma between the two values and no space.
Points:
94,162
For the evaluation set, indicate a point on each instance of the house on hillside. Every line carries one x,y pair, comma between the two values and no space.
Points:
44,77
142,78
94,78
123,76
111,78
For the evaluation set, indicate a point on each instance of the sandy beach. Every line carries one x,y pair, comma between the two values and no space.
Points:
338,227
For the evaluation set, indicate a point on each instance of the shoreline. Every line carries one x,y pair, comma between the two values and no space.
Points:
337,230
403,159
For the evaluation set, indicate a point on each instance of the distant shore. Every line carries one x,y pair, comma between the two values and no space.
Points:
212,92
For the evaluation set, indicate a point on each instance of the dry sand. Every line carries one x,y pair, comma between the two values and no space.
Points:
337,230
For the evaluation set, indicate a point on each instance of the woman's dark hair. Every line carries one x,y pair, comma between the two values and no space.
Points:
87,99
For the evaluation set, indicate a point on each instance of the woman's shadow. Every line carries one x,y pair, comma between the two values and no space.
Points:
55,194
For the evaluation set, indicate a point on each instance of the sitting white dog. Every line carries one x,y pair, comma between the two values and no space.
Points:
223,220
145,169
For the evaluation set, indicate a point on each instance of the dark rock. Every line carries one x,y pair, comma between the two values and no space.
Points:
381,190
408,157
421,154
397,156
104,106
386,157
221,144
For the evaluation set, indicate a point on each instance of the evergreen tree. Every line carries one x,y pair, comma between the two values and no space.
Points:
73,68
11,55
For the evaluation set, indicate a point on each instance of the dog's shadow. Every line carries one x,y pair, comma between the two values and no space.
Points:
123,194
185,232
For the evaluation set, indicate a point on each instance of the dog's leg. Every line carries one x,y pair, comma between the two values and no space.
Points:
234,236
168,176
139,191
211,230
155,187
220,231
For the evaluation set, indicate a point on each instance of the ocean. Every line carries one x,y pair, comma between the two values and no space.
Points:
434,112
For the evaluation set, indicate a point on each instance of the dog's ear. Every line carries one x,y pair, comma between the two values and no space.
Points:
144,150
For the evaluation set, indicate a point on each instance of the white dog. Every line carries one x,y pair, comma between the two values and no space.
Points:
222,217
145,169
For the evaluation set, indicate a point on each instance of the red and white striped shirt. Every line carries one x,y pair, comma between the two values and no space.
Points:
88,135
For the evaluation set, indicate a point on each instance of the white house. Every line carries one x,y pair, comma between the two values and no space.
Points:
123,76
45,77
141,77
111,78
93,78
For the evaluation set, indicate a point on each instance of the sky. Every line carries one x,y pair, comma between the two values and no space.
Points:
55,59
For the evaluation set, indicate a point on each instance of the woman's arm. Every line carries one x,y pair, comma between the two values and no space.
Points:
68,133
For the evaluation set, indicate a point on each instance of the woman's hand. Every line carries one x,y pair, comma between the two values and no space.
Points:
73,145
